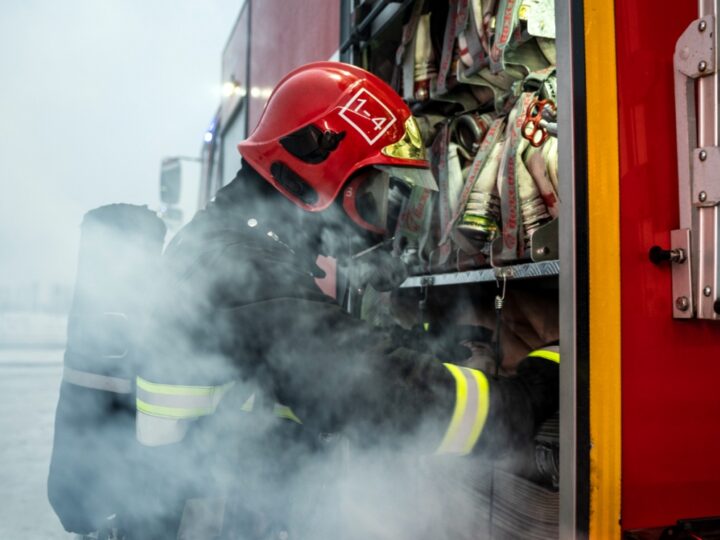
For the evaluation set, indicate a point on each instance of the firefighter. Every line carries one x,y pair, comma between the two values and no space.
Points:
244,335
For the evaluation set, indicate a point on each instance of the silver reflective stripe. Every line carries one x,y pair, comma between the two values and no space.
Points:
472,396
153,430
87,379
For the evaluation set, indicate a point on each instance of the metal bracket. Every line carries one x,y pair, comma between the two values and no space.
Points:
705,176
695,50
696,116
504,272
544,242
683,307
707,285
485,275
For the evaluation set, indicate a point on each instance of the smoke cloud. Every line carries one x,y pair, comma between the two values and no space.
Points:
237,304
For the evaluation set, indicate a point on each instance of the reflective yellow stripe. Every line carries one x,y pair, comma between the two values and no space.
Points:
283,411
472,392
172,412
458,412
547,355
176,389
212,393
178,401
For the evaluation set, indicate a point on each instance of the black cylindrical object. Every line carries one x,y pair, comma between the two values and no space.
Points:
91,472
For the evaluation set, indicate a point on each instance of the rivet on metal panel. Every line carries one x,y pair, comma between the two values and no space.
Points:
702,66
702,197
682,303
703,155
702,26
707,291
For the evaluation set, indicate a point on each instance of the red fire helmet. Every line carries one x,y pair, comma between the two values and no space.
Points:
323,122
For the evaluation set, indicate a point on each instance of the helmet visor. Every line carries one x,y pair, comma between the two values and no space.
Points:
375,198
410,146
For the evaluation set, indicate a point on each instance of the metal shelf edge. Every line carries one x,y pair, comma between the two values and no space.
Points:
518,271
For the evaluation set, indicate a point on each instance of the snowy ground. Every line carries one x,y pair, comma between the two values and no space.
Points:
29,386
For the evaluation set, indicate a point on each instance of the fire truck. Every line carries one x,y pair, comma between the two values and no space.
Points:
629,249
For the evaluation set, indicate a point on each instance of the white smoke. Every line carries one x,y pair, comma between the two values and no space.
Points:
341,474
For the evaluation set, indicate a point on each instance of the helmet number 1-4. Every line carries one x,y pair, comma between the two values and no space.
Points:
367,115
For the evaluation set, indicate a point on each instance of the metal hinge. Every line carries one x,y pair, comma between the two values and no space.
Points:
695,274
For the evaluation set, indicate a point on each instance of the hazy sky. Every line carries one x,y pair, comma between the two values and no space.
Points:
93,93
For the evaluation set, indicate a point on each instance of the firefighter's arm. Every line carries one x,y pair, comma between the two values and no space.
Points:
340,374
494,415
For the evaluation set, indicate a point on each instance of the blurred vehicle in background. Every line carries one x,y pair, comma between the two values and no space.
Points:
179,191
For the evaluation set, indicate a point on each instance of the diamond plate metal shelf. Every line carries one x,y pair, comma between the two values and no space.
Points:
518,271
